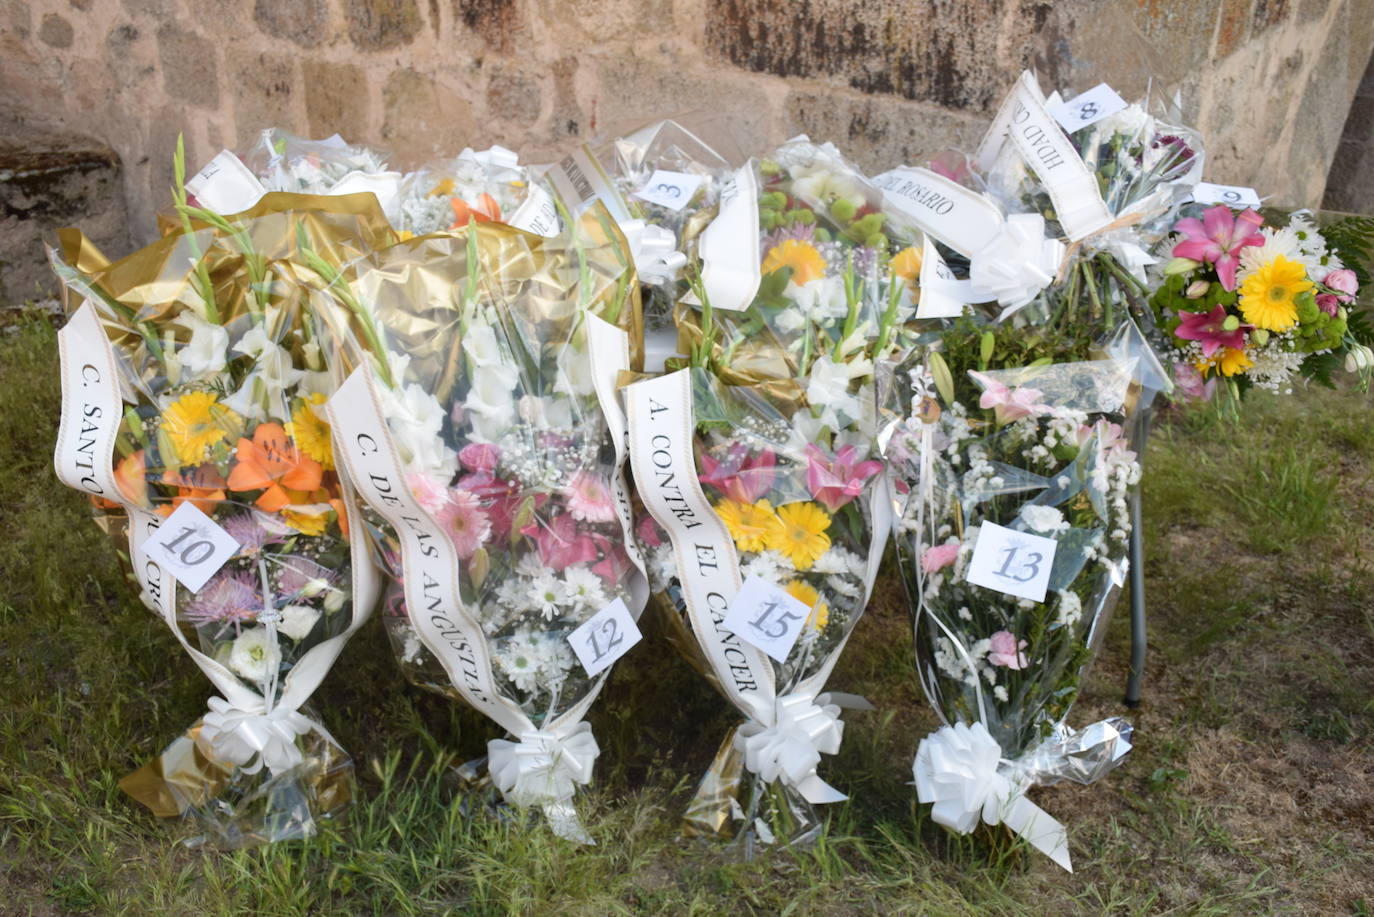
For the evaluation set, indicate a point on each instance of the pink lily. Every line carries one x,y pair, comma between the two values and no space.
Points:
1009,404
740,476
836,481
1218,238
1210,329
560,544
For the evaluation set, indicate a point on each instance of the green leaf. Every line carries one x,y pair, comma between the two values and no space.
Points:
944,382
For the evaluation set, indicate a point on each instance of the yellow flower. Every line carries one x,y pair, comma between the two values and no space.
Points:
1228,362
906,264
806,263
310,431
748,522
798,533
195,423
306,523
806,594
1266,296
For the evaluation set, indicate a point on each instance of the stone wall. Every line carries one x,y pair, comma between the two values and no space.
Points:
1351,184
1270,81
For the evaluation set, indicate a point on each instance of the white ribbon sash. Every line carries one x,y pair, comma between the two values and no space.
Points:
730,267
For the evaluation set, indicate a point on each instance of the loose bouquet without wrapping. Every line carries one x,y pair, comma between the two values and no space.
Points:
481,426
1256,303
193,397
756,463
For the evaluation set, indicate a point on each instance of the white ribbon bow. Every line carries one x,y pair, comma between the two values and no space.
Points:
804,727
542,768
251,739
957,769
654,250
1017,263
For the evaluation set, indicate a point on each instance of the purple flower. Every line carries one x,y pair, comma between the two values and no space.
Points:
255,530
229,596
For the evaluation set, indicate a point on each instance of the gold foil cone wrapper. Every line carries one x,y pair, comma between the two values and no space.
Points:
711,811
756,361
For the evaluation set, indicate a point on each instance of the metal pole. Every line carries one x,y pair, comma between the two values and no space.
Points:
1137,577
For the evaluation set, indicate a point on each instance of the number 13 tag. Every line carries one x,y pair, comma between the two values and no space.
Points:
1016,563
604,637
191,546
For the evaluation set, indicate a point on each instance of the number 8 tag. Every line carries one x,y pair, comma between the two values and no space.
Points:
604,637
1017,563
191,546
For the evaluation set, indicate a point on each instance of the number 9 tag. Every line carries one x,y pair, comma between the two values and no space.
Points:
604,637
1017,563
191,546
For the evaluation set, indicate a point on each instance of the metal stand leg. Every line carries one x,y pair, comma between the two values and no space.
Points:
1137,576
1137,607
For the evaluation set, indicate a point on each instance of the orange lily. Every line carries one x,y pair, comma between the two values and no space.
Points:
201,485
485,211
270,462
130,476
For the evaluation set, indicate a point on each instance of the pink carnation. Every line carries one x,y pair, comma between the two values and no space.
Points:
649,533
1004,650
479,456
938,557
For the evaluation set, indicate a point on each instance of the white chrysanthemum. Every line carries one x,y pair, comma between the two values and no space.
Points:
1274,365
547,595
766,565
1070,608
1043,519
583,588
518,656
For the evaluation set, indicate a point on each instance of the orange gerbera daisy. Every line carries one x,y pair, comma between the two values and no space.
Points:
270,462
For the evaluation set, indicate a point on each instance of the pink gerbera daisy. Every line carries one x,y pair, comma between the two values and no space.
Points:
463,521
589,499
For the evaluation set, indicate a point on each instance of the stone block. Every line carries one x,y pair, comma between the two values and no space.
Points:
336,98
425,118
305,22
376,25
264,87
500,24
635,91
56,31
46,184
189,71
513,97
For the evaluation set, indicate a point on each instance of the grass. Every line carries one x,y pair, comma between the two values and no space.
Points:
1251,789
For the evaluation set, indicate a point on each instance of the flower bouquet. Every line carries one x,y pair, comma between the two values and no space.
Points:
1012,520
486,186
671,179
756,462
193,410
1256,303
481,425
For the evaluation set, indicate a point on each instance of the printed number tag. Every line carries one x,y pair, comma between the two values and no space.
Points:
1088,108
604,637
765,616
942,294
191,546
1017,563
226,185
1204,192
669,189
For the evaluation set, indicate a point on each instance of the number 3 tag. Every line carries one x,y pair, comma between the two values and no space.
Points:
604,637
1016,563
191,546
669,189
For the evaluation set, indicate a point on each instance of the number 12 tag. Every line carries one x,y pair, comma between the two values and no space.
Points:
604,637
191,546
1017,563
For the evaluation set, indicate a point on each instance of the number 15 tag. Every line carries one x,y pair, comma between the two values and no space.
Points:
604,637
1017,563
191,546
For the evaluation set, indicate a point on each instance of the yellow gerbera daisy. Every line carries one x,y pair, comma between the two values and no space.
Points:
806,262
748,523
195,423
306,523
806,594
798,533
1267,296
309,430
1229,361
906,264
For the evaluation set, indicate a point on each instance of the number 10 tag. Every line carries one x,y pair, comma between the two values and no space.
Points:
1017,563
604,637
191,546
